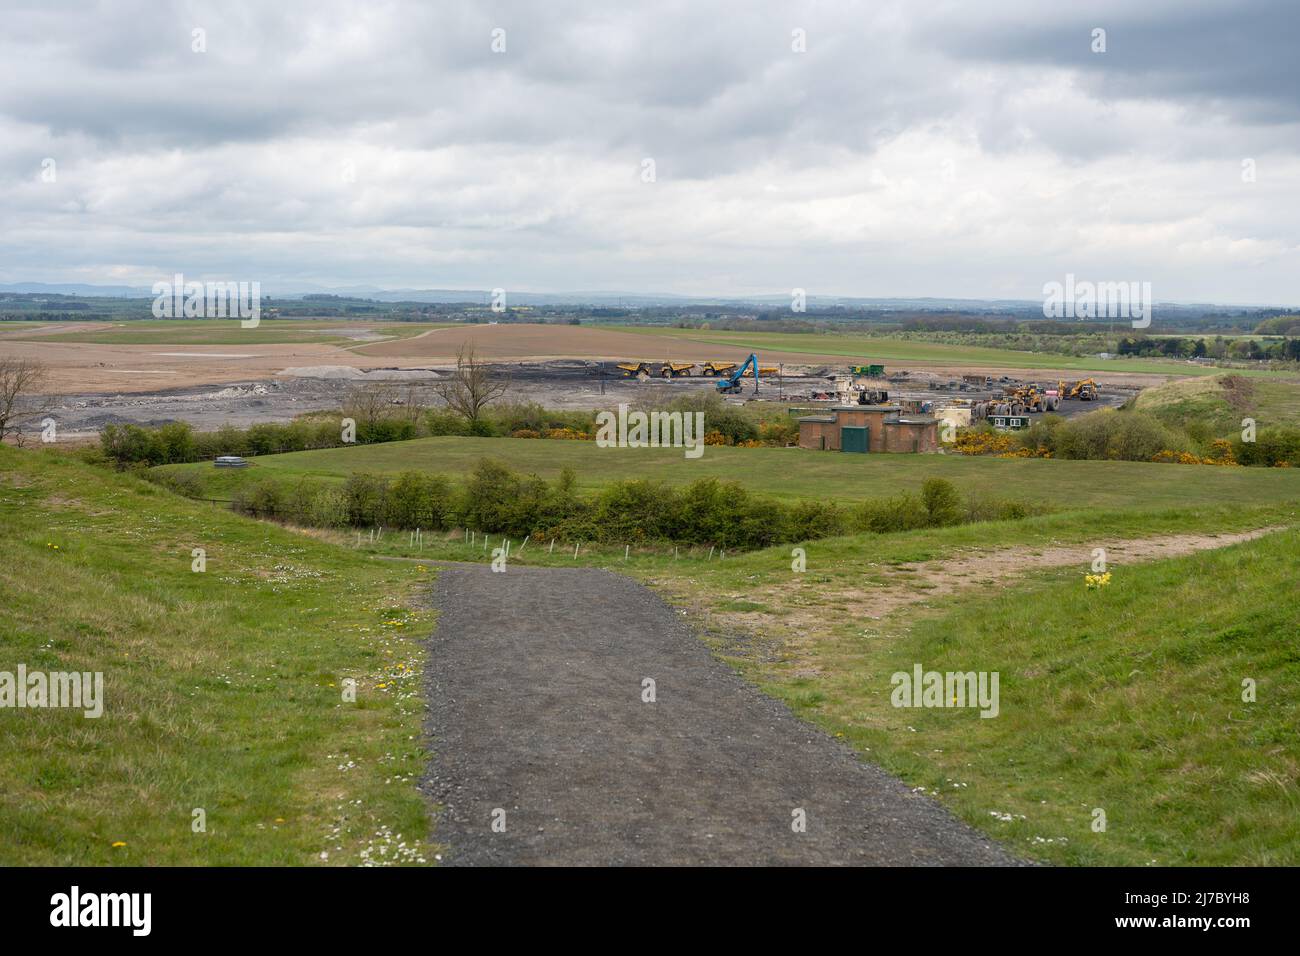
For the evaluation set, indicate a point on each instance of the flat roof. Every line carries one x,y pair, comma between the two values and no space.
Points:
817,418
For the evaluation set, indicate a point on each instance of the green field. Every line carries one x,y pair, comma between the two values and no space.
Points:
222,688
228,332
788,472
866,348
1221,402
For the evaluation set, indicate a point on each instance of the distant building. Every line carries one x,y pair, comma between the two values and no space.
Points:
869,428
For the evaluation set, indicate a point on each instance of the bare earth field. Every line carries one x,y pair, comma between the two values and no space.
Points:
242,380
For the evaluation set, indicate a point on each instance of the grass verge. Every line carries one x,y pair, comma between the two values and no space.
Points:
222,688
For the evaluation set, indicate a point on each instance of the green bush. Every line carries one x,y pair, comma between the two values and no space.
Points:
417,500
497,500
903,512
1117,436
941,501
809,520
1271,447
365,498
732,421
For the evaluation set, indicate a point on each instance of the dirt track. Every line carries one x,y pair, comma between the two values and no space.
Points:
536,709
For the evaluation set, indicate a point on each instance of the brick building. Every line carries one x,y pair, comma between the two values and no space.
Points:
869,428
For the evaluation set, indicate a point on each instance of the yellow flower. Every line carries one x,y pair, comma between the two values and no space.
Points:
118,843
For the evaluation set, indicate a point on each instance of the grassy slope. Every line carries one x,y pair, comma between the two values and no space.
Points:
866,348
226,332
1223,401
790,472
222,688
1126,699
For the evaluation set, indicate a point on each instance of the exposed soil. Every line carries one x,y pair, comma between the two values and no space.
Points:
803,602
536,709
554,365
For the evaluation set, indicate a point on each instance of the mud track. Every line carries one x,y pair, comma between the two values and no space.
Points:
536,709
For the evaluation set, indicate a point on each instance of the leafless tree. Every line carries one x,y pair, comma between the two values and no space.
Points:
367,405
21,384
472,386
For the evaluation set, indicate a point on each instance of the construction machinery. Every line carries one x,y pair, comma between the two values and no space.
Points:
1085,389
1023,399
765,370
639,370
731,384
675,369
717,368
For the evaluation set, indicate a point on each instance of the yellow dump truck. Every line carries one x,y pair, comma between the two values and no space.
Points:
675,369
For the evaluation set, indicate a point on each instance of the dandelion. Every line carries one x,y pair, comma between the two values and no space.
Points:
1096,581
119,843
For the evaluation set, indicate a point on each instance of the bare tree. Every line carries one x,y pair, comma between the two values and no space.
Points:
367,405
472,386
21,383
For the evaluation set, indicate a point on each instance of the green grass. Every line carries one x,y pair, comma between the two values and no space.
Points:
223,688
1126,699
1221,402
789,472
228,332
866,348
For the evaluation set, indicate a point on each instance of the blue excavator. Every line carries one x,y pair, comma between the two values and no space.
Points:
730,385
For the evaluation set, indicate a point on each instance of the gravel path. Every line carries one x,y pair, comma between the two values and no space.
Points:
536,709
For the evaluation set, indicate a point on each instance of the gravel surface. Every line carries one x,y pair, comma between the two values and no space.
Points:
536,709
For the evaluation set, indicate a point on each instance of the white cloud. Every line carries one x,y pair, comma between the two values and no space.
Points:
906,153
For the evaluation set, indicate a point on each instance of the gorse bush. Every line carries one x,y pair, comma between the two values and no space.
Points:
496,499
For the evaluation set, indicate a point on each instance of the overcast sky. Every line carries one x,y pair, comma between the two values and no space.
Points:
915,149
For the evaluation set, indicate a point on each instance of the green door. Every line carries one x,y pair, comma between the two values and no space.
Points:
854,438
